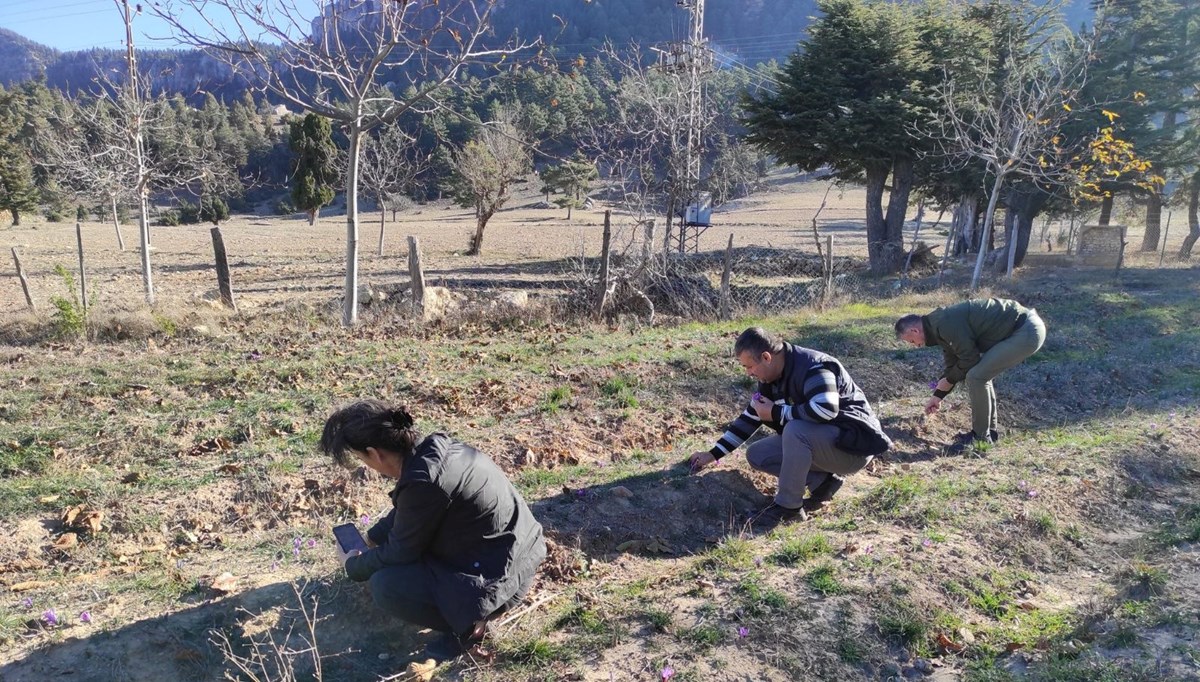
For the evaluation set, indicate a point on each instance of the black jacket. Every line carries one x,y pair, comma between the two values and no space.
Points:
454,509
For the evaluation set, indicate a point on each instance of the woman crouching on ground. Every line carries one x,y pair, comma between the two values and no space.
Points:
460,545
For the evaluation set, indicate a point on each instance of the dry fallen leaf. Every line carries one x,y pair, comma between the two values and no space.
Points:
30,585
66,541
422,671
948,645
48,499
226,582
629,545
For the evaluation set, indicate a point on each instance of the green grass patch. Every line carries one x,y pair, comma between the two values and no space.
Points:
796,550
757,598
558,398
620,391
703,636
900,620
731,555
824,580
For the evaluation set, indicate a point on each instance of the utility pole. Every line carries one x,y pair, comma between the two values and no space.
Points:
694,60
137,144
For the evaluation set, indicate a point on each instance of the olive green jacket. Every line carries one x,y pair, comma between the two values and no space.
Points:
967,330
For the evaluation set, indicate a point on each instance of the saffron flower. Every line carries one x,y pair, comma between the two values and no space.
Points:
1033,493
927,542
668,672
743,632
27,603
932,385
364,519
312,542
50,617
85,617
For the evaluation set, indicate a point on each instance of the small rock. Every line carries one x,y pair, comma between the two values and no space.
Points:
622,492
966,635
924,665
904,656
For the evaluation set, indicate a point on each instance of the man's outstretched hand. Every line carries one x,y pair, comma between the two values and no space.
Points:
699,460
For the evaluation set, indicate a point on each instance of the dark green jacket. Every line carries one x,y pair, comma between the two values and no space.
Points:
455,510
967,330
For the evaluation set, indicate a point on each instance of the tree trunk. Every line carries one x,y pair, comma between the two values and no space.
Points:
1028,205
16,217
1189,241
961,224
480,226
144,236
876,225
117,224
988,217
568,211
350,295
312,218
897,211
1154,204
1106,207
382,217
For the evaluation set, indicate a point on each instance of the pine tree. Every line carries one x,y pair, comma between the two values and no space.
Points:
573,178
314,171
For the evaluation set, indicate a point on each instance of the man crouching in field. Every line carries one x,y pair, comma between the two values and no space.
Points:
825,426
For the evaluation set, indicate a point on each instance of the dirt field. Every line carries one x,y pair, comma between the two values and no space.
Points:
135,474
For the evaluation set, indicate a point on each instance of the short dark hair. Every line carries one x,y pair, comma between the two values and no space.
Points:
757,341
364,424
907,322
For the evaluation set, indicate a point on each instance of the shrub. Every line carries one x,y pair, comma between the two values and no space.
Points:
168,218
284,207
70,318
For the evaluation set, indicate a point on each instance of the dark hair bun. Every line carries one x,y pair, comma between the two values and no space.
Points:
401,419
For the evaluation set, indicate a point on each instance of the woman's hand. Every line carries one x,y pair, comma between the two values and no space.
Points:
343,556
933,404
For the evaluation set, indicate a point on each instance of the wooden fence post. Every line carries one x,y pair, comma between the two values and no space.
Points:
82,272
827,290
417,274
602,285
648,240
24,281
1166,233
224,285
726,273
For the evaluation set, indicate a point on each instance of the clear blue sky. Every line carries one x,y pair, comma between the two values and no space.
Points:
80,24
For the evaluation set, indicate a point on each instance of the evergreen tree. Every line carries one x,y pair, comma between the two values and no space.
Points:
851,95
314,170
573,178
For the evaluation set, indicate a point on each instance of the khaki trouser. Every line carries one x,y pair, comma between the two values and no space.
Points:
1010,352
803,447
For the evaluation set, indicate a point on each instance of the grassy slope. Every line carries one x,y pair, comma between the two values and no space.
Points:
1068,545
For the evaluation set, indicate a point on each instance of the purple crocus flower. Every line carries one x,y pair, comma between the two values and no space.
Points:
743,632
364,519
933,385
927,542
50,617
1033,493
312,542
85,617
668,672
254,355
27,603
582,492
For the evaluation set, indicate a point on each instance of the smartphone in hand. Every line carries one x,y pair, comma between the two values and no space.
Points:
348,538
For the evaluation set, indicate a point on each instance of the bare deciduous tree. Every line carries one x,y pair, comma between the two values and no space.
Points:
331,59
1009,120
391,163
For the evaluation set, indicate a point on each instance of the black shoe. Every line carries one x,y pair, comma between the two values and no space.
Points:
449,646
819,496
774,515
994,435
968,441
